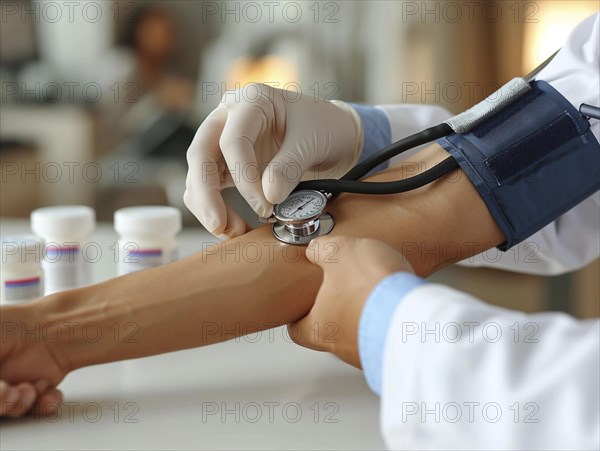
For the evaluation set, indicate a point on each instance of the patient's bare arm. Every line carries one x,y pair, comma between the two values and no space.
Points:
250,280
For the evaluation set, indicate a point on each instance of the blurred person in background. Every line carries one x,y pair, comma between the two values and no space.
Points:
151,102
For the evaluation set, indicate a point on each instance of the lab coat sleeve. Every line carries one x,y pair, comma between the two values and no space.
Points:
461,374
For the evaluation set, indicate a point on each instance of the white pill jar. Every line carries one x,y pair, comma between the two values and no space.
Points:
67,232
147,237
21,274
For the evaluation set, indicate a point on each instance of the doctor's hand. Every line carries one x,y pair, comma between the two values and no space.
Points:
30,364
352,267
264,141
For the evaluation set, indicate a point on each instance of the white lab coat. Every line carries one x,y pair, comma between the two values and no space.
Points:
535,387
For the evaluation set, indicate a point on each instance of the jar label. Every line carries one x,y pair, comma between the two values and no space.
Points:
22,289
62,254
65,267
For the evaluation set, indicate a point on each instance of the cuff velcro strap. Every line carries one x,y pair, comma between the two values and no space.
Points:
531,162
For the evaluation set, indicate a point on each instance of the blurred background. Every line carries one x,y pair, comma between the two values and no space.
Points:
100,99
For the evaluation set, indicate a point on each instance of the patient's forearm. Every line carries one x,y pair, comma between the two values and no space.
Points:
255,282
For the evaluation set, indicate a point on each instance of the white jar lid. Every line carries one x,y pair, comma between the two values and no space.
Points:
21,249
148,220
63,220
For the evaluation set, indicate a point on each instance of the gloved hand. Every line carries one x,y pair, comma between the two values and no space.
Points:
264,141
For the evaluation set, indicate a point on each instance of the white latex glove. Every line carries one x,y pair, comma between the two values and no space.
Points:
265,141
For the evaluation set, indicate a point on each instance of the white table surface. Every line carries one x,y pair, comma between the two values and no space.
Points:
257,392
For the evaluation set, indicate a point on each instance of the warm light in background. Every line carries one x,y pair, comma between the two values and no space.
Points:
554,21
269,69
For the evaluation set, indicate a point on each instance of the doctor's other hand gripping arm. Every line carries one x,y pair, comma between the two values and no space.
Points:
352,268
453,372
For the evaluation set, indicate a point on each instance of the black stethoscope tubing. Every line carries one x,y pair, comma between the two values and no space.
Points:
351,181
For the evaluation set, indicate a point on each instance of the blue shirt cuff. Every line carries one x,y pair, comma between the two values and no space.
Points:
377,132
375,321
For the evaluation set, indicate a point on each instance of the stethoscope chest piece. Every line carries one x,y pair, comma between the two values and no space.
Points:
301,217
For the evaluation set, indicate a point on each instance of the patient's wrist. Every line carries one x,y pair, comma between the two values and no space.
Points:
80,326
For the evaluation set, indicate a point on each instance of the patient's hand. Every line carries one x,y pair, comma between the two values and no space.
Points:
38,398
30,363
352,267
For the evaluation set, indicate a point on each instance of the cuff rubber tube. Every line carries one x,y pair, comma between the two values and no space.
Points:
531,162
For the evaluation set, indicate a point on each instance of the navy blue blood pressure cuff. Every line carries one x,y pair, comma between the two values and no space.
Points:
531,162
